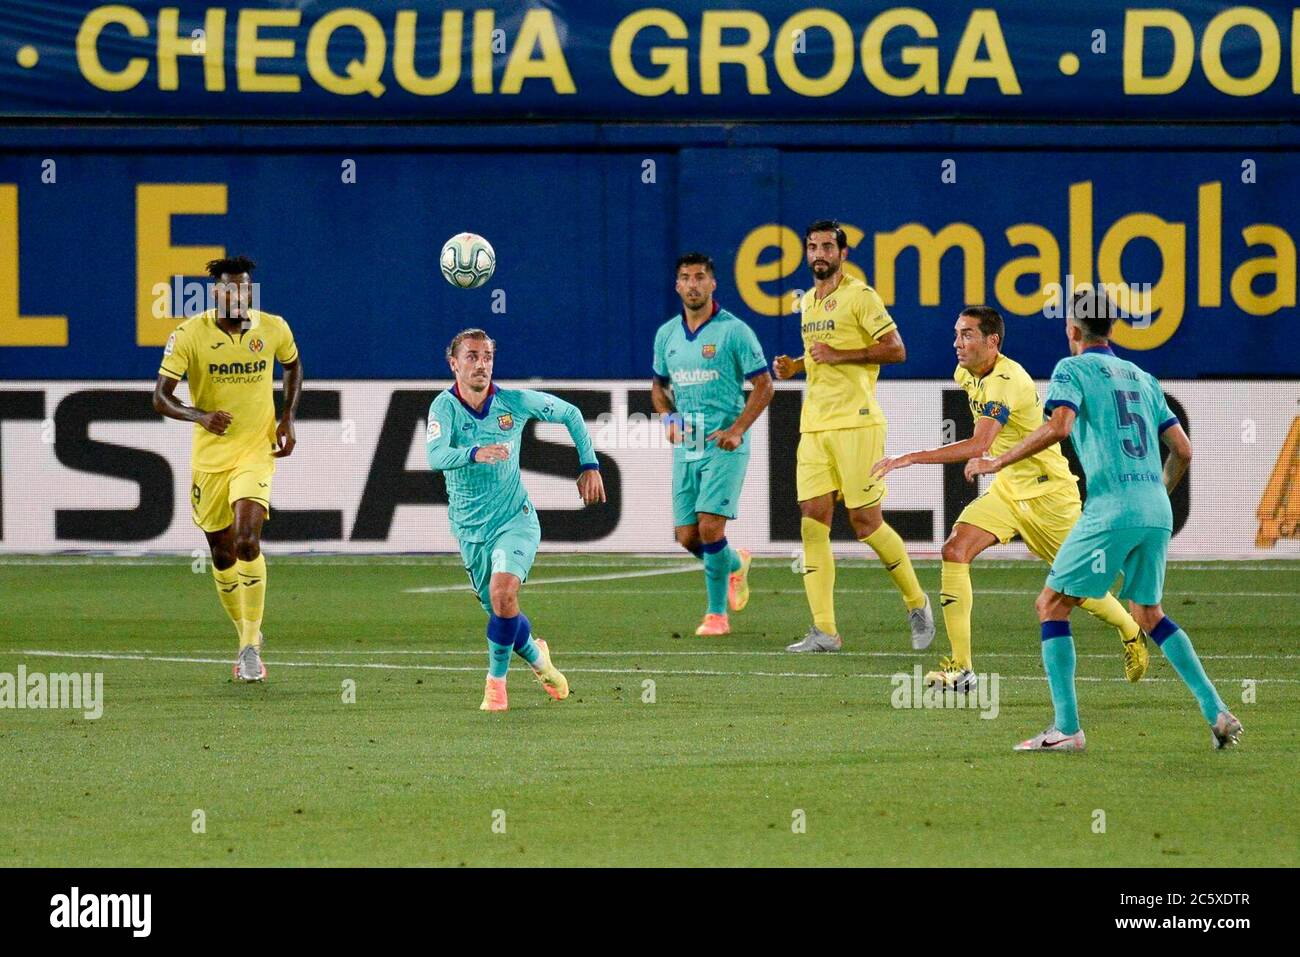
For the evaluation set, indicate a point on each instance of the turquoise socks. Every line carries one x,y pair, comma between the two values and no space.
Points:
719,562
1058,660
1173,641
505,635
525,647
501,641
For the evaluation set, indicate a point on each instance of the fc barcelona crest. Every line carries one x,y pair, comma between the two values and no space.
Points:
505,422
709,351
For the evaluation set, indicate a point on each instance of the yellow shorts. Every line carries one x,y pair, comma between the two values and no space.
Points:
1042,523
214,493
840,460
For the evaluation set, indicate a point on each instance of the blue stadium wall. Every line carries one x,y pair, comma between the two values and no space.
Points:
586,220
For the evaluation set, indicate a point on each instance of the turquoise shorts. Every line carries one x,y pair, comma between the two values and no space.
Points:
510,548
1090,558
710,484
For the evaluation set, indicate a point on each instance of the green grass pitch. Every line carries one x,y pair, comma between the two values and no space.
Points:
746,756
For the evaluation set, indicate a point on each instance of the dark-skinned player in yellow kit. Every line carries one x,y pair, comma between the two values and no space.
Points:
228,356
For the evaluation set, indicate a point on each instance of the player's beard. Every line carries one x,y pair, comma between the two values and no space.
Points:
823,271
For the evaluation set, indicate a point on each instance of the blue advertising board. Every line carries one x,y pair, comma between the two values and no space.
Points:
752,59
96,249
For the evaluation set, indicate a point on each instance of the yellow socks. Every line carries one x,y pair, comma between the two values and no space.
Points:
819,573
252,591
956,597
888,546
1109,610
227,580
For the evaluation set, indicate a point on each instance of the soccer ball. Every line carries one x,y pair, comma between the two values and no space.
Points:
467,260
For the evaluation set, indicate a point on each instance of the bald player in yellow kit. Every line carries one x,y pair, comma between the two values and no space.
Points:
1036,498
228,355
848,335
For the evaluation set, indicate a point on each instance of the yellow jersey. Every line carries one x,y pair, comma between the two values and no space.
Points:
234,373
1007,393
842,396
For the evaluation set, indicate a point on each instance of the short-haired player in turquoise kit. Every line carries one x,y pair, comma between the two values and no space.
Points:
473,438
704,355
1114,414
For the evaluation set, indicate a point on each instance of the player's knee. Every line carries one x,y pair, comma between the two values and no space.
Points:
1046,604
954,552
865,523
247,547
1146,616
712,528
1041,607
223,557
688,537
504,594
818,509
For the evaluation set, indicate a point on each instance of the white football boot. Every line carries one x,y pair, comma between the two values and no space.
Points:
249,666
1226,730
816,641
921,621
1053,740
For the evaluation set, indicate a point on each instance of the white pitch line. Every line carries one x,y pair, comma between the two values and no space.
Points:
761,590
648,653
697,672
644,573
661,653
559,560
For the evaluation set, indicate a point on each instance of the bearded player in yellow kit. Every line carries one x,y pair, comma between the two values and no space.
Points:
1036,499
228,354
848,335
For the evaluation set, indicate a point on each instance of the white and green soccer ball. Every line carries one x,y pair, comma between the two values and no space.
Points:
467,260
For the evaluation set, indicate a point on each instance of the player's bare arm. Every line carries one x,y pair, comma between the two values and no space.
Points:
1055,429
729,439
783,367
285,438
165,403
662,401
1180,456
888,351
986,430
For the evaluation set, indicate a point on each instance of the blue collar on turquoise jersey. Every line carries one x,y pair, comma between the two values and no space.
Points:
690,336
1104,350
492,390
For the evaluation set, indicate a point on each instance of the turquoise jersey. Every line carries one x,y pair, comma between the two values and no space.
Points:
707,370
485,497
1121,413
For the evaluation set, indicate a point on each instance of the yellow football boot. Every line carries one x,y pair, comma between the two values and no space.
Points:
552,682
738,584
1136,657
